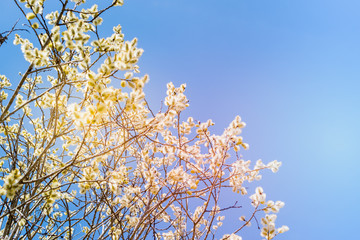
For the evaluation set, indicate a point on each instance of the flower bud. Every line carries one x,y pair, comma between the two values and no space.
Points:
30,16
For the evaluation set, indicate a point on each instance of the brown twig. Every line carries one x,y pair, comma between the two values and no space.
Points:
4,38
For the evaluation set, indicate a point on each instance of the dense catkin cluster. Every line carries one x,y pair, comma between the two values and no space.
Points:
82,149
11,184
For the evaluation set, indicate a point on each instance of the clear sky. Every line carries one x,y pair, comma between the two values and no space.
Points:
289,68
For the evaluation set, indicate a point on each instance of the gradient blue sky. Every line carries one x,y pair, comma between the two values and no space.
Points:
289,68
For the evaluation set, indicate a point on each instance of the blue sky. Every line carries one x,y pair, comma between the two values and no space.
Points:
290,69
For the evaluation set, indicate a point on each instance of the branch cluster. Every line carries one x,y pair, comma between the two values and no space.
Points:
84,157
